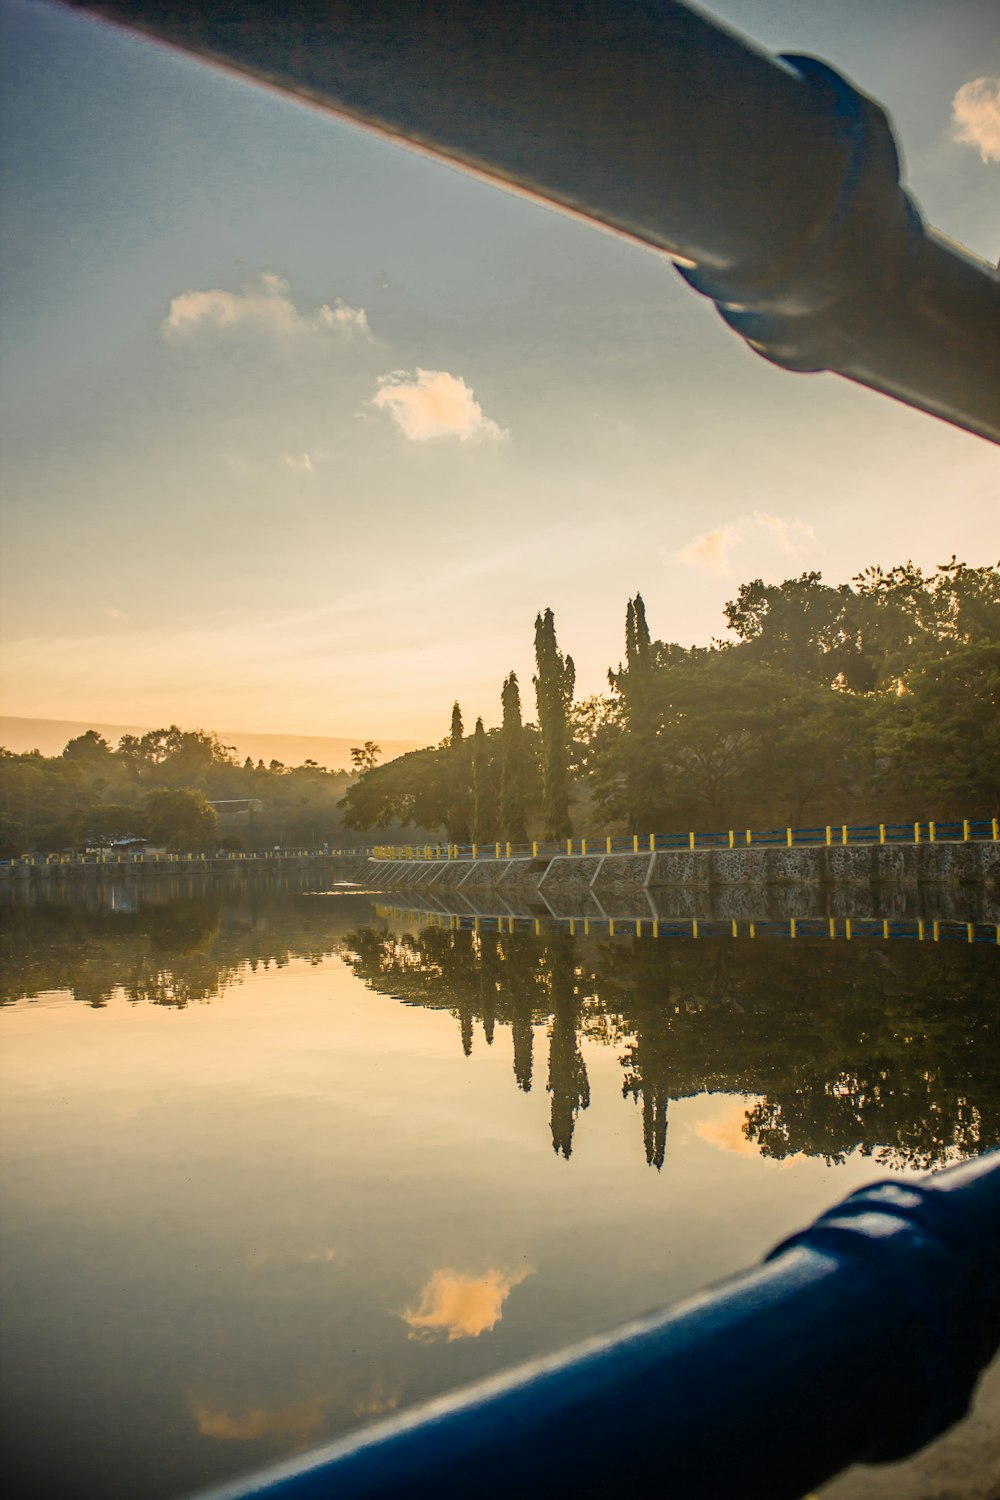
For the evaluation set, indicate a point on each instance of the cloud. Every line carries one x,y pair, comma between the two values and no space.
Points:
975,111
301,462
461,1306
433,404
710,550
724,550
263,306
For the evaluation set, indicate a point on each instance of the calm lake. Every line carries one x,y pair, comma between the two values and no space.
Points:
279,1161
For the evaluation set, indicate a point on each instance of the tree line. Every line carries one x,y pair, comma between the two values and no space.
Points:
159,786
877,699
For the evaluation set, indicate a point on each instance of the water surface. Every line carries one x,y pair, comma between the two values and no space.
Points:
277,1162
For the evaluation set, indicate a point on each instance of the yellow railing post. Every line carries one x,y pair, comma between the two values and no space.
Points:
965,829
690,840
607,844
916,833
970,928
788,837
847,928
932,834
583,846
611,927
791,927
843,833
635,843
749,837
732,838
475,851
694,927
497,854
996,828
534,849
569,846
881,833
508,848
829,834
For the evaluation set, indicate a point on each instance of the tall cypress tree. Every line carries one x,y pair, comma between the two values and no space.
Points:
644,785
458,781
483,819
513,765
554,684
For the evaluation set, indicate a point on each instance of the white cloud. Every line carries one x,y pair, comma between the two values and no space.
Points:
433,404
301,462
262,306
975,111
726,549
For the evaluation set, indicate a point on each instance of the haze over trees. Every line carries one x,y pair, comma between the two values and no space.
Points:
159,786
877,700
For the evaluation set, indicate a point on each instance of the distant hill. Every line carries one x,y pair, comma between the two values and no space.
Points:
51,735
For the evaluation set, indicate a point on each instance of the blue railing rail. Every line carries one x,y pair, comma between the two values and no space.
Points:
859,1338
844,929
954,830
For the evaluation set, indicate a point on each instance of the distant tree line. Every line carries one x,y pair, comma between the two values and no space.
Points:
876,699
159,786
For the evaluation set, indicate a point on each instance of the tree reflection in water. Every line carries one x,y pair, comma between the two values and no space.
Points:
892,1050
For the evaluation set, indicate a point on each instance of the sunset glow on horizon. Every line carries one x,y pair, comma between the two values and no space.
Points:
302,428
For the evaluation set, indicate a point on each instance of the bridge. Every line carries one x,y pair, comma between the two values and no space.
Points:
963,830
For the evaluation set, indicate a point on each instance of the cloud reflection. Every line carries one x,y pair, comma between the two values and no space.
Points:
261,1421
727,1131
461,1307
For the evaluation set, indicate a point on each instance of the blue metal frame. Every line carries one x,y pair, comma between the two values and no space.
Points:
773,182
860,1338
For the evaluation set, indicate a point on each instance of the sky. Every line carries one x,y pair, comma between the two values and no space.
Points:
301,428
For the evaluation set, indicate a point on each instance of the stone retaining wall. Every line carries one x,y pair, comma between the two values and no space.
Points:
616,877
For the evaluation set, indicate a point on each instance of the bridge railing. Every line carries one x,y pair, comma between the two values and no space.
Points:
207,857
961,830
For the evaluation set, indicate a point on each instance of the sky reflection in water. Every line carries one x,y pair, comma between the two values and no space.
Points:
253,1199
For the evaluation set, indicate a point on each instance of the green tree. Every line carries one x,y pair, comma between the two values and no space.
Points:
554,682
641,763
365,757
414,790
180,817
513,765
91,749
941,734
459,815
483,792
